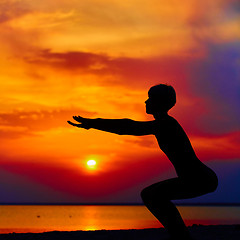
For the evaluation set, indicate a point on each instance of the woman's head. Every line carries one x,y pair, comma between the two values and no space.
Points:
162,98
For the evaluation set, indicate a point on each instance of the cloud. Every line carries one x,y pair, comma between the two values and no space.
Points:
122,69
219,11
208,83
70,60
27,123
10,9
221,147
61,183
145,142
215,79
70,180
15,188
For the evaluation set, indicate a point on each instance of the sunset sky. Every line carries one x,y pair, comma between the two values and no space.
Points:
98,58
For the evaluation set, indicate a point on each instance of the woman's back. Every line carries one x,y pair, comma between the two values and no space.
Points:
174,142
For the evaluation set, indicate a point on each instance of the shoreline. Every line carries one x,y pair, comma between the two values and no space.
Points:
120,204
199,232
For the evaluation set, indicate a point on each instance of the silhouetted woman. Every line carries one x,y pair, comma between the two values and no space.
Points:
193,177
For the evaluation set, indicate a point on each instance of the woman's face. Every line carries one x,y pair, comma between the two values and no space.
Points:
150,106
154,105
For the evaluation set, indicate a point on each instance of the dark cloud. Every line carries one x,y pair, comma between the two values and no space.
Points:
10,9
137,72
70,60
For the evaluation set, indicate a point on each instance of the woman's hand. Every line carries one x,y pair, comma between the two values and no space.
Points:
84,122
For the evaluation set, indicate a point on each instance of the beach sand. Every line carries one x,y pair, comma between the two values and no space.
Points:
199,232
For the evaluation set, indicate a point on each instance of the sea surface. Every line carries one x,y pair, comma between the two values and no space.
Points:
35,218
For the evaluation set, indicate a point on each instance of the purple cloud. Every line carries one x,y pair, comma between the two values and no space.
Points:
216,80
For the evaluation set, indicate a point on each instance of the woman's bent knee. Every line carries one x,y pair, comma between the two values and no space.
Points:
211,183
214,184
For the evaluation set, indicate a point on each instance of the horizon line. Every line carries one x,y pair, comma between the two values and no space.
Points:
113,204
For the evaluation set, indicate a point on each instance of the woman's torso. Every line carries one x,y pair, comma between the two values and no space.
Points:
174,142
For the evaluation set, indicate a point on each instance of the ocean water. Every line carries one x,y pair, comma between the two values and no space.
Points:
22,219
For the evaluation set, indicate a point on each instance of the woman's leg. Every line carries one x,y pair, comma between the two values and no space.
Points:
157,199
168,215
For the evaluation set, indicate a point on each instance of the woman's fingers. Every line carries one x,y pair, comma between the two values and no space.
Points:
69,122
78,118
74,124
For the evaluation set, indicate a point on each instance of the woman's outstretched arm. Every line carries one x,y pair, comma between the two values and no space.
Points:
118,126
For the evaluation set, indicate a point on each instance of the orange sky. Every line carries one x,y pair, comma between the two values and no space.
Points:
98,59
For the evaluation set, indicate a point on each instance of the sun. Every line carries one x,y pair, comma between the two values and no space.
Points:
91,164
